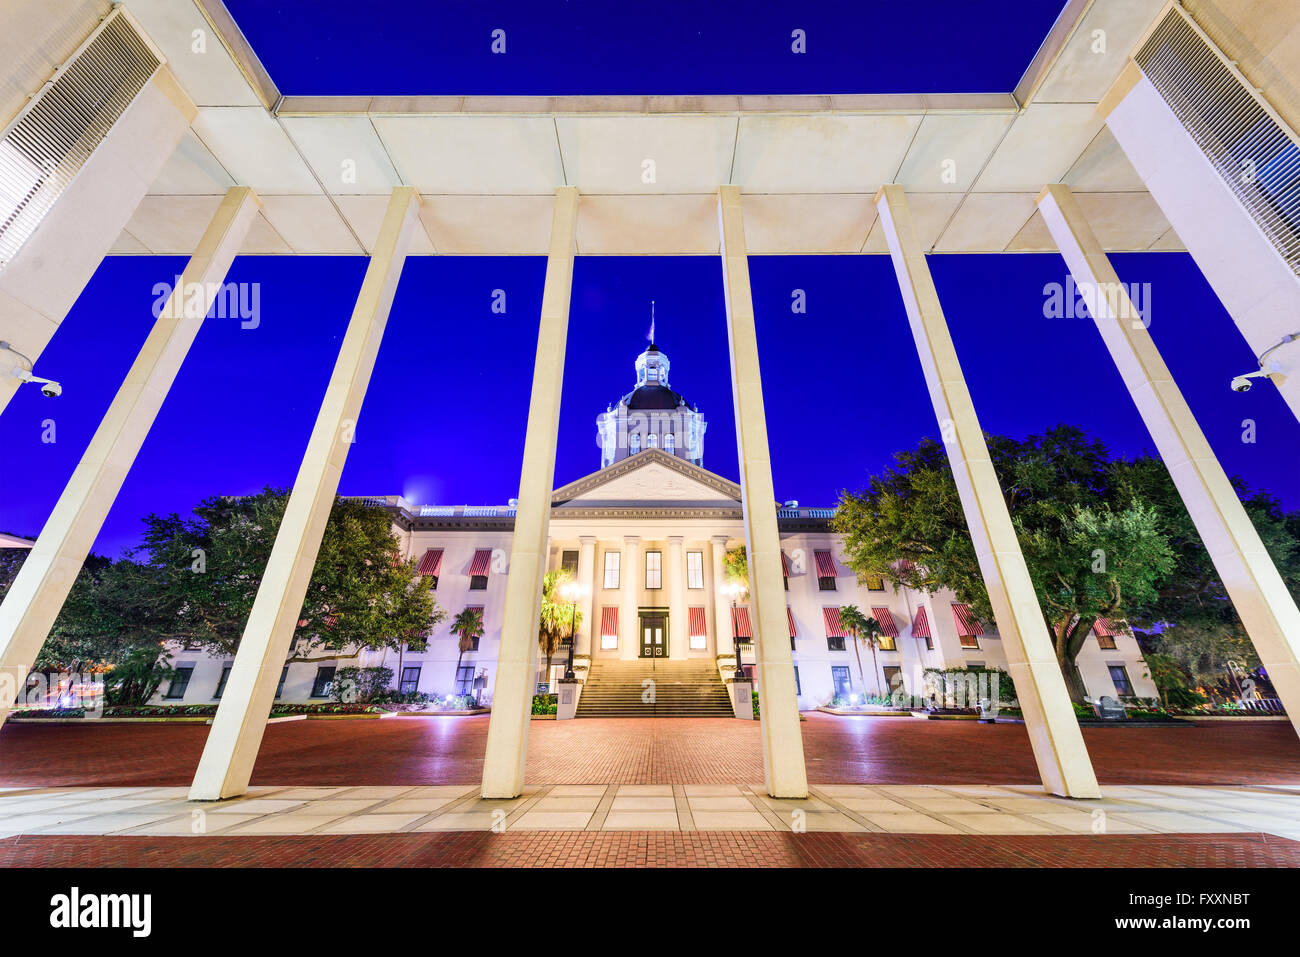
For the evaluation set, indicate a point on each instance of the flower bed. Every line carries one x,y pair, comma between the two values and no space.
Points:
26,713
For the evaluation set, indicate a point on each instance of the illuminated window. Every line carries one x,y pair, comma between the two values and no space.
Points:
634,443
611,569
653,569
669,444
694,569
652,441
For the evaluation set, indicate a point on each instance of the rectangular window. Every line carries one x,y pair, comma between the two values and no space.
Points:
465,680
840,679
653,570
1107,643
694,569
835,642
477,582
479,568
182,681
968,641
887,643
221,685
1119,675
410,680
284,673
825,570
875,583
569,562
826,584
612,560
321,687
797,689
891,673
929,643
608,641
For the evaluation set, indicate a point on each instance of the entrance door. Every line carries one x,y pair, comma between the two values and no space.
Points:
654,637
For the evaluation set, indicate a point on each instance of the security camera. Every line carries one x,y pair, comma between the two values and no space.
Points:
1242,383
49,387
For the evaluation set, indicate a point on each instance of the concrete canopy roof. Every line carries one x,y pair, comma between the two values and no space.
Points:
487,167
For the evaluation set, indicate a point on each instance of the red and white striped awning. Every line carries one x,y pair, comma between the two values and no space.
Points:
886,620
609,621
1105,628
785,564
833,627
743,629
921,624
790,616
697,626
482,562
431,563
825,565
965,618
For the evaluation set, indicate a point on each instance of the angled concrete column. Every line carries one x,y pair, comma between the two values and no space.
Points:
721,606
1252,581
674,579
783,766
1063,762
1254,282
587,638
512,696
630,644
44,279
236,734
42,584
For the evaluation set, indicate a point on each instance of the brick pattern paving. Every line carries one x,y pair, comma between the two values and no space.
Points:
446,751
656,849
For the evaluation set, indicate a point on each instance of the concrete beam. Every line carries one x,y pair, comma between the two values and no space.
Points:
42,584
783,764
236,735
512,695
1062,759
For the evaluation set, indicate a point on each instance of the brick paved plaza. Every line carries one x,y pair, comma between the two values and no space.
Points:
615,792
838,750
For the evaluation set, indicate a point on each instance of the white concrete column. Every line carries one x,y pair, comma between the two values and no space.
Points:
236,735
1251,579
38,591
721,606
1063,762
783,764
587,638
507,744
629,646
41,283
675,577
1255,284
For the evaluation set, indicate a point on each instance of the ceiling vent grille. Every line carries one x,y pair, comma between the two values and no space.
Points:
55,133
1253,150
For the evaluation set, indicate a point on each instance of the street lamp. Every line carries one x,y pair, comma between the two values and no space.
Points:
571,591
734,590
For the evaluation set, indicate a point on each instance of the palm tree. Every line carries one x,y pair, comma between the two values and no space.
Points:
559,616
865,629
468,626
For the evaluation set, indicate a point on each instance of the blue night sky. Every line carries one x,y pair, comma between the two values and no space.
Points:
444,418
670,46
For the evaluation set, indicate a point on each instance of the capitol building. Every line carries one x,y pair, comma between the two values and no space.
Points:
645,538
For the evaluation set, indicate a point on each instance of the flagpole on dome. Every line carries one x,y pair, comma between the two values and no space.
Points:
652,322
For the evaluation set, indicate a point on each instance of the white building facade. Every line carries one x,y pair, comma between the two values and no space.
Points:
644,537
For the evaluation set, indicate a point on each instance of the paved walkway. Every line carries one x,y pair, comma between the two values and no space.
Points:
447,751
853,808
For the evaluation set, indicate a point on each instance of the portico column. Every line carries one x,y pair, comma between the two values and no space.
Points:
236,734
1251,579
586,640
630,645
512,696
42,584
783,765
676,579
1062,759
721,605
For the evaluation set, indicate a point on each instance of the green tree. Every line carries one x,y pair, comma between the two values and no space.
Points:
362,594
467,626
559,615
863,628
1091,553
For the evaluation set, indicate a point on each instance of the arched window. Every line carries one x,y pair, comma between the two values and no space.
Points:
652,441
669,444
634,443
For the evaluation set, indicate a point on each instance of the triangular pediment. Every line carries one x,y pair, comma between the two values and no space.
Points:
652,477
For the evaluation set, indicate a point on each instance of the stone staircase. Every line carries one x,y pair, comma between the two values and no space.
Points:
683,689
